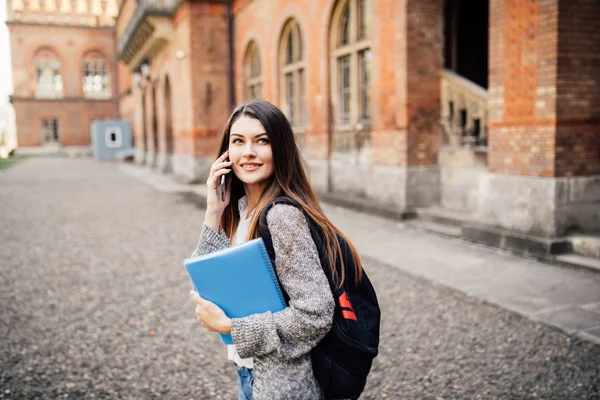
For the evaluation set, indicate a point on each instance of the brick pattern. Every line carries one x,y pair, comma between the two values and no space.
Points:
70,44
520,60
543,108
522,150
198,85
424,61
578,89
74,118
407,54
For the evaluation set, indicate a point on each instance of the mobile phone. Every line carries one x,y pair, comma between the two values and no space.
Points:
223,180
223,187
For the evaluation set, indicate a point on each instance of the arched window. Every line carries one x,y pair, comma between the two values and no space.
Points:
351,62
96,81
291,80
48,78
252,73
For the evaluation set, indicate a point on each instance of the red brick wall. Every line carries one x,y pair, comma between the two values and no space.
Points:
407,56
69,43
74,119
521,95
424,61
210,79
578,88
74,112
543,106
198,111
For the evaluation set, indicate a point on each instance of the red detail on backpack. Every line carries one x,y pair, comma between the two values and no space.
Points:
344,301
346,306
349,315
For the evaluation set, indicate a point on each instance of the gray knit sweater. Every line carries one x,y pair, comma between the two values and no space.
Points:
281,342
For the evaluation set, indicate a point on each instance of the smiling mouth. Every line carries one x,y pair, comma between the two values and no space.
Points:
250,167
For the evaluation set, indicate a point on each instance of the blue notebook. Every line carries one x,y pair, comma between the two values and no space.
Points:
239,279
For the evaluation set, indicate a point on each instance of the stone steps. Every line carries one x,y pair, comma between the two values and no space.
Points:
582,251
443,216
575,260
435,227
586,245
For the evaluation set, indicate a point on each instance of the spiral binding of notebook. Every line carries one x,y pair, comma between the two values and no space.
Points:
272,271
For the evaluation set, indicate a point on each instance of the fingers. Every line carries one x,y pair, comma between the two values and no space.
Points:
223,156
197,299
222,172
216,171
217,167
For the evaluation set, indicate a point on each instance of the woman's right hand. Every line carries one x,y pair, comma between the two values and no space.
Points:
214,204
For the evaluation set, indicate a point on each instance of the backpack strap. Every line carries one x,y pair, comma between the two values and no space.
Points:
315,233
265,234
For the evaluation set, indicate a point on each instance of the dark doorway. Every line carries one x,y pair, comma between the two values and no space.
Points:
169,116
144,127
154,126
466,31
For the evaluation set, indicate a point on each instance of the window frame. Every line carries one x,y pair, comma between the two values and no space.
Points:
253,79
46,61
292,72
54,130
98,66
358,43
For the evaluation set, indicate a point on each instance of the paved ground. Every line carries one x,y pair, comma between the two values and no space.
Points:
95,304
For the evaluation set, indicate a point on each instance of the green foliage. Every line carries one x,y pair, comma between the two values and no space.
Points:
7,162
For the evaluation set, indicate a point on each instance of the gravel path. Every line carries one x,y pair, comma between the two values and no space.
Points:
95,304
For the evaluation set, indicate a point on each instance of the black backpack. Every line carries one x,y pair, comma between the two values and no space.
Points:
342,360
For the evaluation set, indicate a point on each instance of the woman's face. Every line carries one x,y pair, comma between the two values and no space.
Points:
250,151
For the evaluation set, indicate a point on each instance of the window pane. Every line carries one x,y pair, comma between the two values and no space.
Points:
289,83
301,98
50,130
344,79
55,130
344,37
298,41
95,79
289,57
363,19
255,65
365,84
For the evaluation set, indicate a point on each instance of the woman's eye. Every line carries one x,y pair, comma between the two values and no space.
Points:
263,140
236,141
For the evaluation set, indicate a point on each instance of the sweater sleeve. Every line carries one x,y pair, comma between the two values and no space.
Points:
298,328
210,241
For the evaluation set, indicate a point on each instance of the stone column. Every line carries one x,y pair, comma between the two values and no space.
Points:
407,107
544,140
424,61
209,82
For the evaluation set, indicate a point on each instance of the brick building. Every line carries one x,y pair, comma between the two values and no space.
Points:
63,59
485,111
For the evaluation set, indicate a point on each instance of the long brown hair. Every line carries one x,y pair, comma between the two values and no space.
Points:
289,179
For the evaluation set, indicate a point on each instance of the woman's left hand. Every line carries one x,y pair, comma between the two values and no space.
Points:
210,315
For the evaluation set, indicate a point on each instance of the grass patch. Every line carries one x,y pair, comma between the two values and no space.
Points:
7,162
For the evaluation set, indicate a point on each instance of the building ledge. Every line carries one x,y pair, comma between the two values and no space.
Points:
13,98
147,32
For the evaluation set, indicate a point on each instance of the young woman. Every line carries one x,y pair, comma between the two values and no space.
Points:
271,351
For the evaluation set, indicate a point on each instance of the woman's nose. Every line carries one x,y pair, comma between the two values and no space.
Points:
249,150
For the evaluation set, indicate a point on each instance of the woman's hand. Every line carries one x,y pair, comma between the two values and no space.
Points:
214,204
210,315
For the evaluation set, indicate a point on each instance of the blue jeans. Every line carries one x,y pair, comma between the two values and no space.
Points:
245,381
